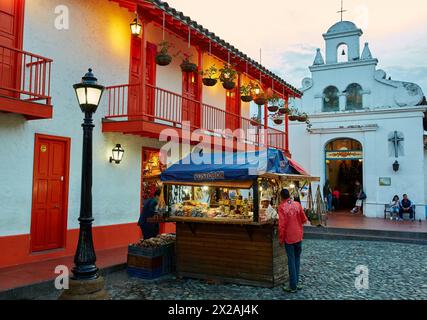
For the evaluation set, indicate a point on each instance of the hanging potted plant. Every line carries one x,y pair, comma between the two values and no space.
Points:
261,99
208,75
274,103
246,92
277,119
228,77
162,57
302,117
282,109
186,65
255,121
293,115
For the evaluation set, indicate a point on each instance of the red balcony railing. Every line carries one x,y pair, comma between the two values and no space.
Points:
24,75
172,109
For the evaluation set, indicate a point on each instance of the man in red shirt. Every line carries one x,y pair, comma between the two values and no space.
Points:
291,221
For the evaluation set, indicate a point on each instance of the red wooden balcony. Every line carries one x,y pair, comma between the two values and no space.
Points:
166,109
25,84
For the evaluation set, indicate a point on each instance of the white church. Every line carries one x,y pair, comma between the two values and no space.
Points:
365,126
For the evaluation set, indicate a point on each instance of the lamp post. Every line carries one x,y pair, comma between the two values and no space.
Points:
86,281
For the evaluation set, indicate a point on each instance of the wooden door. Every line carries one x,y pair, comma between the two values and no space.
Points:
50,193
11,29
135,76
233,109
150,75
190,104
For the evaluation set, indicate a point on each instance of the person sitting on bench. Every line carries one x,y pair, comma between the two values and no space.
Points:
395,208
406,206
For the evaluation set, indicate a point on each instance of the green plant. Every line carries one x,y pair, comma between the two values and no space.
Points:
228,74
246,89
164,47
274,99
210,72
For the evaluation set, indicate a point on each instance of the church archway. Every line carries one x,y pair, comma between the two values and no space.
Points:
343,167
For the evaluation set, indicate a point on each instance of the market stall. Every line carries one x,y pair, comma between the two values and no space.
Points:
223,232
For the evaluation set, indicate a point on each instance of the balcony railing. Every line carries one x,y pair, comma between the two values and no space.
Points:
24,75
171,109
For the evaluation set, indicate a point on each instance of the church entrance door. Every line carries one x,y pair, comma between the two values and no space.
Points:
344,167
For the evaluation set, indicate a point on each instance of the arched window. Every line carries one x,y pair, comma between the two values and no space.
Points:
354,97
342,53
331,100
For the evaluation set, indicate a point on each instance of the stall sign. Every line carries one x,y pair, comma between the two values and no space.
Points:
209,176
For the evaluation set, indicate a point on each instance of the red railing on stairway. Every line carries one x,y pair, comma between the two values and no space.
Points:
172,109
24,75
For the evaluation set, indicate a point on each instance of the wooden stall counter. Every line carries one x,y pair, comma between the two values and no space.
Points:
234,251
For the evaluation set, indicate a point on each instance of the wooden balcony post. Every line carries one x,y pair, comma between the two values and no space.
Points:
143,90
287,124
200,85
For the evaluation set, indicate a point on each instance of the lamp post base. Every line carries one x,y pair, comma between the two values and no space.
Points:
85,290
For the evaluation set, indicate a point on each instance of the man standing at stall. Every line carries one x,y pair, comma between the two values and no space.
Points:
291,221
149,229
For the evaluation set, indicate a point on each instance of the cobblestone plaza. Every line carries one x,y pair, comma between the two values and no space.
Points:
396,272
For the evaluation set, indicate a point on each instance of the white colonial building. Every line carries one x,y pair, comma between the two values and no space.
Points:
362,123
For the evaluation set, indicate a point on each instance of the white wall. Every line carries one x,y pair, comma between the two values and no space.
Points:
99,38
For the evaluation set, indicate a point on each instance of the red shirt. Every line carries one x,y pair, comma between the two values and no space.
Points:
291,221
336,194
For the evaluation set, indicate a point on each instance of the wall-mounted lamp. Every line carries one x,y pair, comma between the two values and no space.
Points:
136,27
396,166
117,154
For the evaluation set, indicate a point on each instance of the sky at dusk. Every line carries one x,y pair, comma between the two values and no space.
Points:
290,31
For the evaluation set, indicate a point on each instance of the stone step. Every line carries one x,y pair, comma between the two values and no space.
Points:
365,235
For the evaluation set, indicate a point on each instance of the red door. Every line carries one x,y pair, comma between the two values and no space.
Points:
233,109
11,28
50,193
151,77
190,104
135,72
136,76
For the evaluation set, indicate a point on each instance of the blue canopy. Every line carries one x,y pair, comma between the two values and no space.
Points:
228,166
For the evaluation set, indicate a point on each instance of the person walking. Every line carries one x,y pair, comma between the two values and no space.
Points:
149,229
291,221
327,194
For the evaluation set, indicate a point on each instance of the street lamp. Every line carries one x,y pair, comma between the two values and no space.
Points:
88,94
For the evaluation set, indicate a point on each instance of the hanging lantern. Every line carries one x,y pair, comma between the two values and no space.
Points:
136,27
117,154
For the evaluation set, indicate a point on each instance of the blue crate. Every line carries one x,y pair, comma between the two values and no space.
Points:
150,252
147,274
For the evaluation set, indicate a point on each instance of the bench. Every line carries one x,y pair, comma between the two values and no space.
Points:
387,208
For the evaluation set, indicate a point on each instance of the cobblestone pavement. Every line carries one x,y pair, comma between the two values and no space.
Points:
396,271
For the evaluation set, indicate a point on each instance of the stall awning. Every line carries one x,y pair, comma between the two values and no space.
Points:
229,166
297,167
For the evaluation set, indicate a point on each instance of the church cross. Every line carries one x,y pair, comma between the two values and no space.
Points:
342,10
396,140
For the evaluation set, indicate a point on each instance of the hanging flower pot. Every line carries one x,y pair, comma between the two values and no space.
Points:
209,82
293,118
163,59
273,108
208,75
278,121
228,85
188,67
302,118
282,111
246,98
260,101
